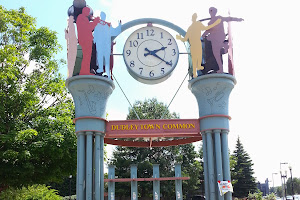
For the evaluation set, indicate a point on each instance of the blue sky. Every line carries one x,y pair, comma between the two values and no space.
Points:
264,105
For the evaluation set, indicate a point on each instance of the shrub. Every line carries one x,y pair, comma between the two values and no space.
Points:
34,192
255,196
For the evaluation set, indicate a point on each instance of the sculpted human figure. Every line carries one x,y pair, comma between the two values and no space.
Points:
102,38
193,34
85,39
216,36
71,38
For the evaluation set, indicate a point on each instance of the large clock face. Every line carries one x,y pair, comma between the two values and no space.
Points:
150,54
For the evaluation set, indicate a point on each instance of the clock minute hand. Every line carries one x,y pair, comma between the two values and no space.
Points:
168,63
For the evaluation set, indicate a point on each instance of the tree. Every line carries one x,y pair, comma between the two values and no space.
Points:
37,140
296,186
166,157
241,172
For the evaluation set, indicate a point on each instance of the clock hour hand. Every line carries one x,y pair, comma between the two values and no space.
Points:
163,48
154,51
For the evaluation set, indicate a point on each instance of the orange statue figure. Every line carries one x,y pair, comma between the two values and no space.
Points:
85,39
193,34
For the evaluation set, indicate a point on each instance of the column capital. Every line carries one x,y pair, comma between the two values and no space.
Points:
225,131
217,131
80,133
90,94
208,131
89,133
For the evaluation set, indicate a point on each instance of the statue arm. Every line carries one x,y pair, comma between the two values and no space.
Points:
185,38
212,25
229,19
115,31
94,23
66,34
205,34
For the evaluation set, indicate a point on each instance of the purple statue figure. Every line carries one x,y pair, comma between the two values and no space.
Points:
216,36
85,39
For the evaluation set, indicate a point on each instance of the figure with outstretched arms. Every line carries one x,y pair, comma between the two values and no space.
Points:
216,36
102,38
193,35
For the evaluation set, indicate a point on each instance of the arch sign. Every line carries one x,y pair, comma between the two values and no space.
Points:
149,129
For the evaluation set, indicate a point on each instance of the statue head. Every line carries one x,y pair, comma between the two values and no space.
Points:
194,17
102,15
213,11
86,11
71,19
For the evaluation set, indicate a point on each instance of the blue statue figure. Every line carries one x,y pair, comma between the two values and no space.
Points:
102,38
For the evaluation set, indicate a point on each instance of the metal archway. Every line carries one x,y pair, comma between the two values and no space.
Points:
154,21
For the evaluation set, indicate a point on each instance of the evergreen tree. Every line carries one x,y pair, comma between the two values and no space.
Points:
166,157
242,172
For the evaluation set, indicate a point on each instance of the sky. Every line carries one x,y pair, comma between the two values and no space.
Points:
264,104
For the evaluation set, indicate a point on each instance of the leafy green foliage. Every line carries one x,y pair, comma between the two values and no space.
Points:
241,172
166,157
271,196
255,196
37,140
296,186
34,192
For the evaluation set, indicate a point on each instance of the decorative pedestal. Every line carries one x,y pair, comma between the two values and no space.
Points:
90,94
212,93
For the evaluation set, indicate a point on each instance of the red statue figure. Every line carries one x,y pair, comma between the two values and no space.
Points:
85,39
217,36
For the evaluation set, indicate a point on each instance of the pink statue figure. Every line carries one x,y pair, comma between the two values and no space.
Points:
193,34
85,39
216,36
102,38
71,38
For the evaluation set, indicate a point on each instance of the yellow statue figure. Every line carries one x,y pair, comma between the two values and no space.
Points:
193,34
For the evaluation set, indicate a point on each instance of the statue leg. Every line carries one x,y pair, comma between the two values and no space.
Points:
86,58
194,61
107,65
99,60
216,48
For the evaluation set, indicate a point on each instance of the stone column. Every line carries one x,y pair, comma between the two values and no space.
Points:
134,187
212,93
178,183
156,184
90,95
111,185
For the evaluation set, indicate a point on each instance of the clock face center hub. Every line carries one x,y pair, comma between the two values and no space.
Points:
150,45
